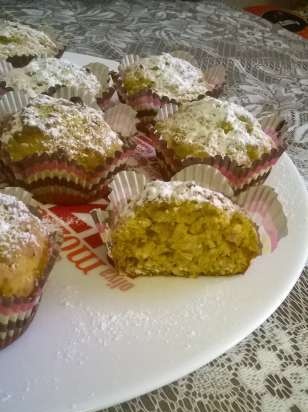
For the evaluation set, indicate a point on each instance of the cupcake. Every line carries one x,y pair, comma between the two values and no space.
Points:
28,249
60,151
179,228
146,84
46,75
218,133
19,44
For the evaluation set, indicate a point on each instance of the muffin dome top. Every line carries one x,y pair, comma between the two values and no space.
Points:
59,127
181,191
18,39
168,76
19,228
42,73
23,247
212,127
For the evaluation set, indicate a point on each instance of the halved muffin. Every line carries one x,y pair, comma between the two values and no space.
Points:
183,229
218,133
28,249
60,151
20,43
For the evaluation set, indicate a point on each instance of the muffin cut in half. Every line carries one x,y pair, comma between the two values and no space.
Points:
60,151
28,249
20,43
183,229
218,133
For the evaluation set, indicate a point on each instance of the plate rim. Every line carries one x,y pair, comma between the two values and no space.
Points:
200,359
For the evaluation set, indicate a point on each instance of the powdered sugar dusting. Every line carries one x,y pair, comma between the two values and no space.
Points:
172,77
41,74
67,127
18,227
18,39
217,127
106,328
179,191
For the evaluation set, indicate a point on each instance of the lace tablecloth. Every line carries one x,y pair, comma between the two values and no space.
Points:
267,69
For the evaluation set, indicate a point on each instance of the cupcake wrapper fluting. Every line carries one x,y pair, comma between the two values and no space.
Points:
240,177
147,102
21,61
77,94
260,203
53,178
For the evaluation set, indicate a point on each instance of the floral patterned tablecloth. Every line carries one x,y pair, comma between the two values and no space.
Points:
267,69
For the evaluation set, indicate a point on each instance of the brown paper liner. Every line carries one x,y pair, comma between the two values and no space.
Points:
147,102
260,203
16,313
239,177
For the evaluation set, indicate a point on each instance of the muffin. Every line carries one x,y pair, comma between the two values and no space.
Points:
218,133
182,229
19,44
28,249
148,83
60,151
46,75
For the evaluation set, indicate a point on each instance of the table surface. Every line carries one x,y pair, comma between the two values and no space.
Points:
267,70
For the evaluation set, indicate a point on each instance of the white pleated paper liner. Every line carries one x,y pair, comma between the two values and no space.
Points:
21,194
260,203
122,119
5,67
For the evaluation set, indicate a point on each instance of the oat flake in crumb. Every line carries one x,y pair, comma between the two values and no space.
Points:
18,39
68,127
19,228
173,77
41,74
216,127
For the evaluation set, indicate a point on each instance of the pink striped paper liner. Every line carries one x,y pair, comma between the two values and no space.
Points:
239,177
147,102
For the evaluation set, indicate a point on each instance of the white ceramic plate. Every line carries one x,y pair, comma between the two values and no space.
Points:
93,345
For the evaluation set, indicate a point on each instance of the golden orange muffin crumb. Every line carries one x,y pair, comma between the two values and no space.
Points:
182,229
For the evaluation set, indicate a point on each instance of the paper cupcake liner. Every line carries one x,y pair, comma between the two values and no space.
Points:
260,203
23,60
49,178
239,177
147,102
122,119
16,314
5,67
38,169
65,193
